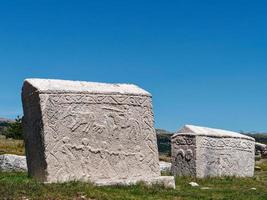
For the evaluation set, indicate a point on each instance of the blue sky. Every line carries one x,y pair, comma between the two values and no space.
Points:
205,62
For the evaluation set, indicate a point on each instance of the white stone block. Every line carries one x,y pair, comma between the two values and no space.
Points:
199,151
102,133
9,162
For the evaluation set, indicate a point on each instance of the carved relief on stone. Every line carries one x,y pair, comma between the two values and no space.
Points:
227,143
94,135
201,152
183,153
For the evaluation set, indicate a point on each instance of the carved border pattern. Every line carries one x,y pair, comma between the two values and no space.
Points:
143,101
227,143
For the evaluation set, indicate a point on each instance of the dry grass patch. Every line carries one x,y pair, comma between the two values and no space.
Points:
11,146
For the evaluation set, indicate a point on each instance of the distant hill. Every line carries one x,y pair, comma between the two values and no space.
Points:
259,137
3,124
163,131
5,120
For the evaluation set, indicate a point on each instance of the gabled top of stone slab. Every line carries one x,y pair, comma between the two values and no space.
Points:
66,86
212,132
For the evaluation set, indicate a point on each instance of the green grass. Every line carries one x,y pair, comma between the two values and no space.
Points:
14,185
19,186
11,146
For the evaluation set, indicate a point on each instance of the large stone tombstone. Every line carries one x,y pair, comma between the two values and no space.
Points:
103,133
199,151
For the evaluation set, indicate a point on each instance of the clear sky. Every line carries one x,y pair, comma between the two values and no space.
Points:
205,62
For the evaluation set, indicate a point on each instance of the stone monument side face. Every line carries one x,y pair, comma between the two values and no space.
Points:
224,156
95,137
33,133
184,155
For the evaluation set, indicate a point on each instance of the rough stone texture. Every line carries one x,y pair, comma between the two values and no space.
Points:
166,181
9,162
201,152
102,133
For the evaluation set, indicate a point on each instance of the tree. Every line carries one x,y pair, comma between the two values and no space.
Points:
14,129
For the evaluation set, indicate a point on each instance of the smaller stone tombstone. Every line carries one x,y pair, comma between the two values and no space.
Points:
200,152
97,132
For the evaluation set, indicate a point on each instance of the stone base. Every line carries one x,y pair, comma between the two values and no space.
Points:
166,181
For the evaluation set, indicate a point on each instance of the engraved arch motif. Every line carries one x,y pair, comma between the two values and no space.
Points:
180,154
188,154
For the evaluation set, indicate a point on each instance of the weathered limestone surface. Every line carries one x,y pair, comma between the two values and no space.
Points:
102,133
9,162
199,151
